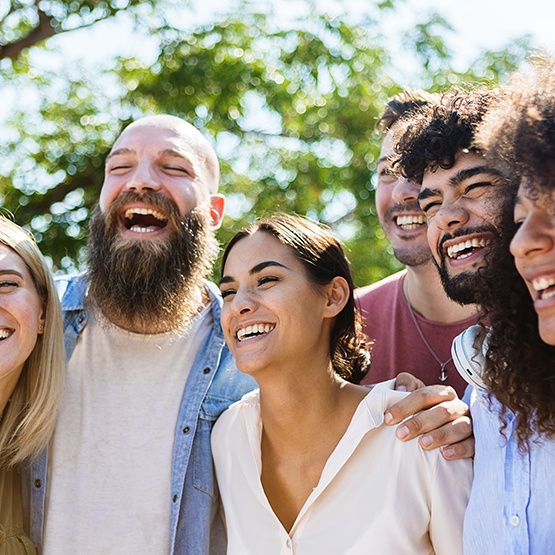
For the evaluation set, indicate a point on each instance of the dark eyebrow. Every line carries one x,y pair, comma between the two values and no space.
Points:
458,178
467,173
426,193
255,270
8,271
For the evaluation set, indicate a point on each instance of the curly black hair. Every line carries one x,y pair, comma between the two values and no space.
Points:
518,135
437,132
403,103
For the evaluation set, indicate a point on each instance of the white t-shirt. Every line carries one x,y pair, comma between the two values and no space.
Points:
376,495
109,487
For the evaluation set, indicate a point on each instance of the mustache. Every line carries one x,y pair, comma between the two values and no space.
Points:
461,232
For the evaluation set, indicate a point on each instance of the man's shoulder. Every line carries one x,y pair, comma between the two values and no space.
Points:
71,291
383,288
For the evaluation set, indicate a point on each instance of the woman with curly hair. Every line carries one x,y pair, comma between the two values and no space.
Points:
305,464
31,372
512,361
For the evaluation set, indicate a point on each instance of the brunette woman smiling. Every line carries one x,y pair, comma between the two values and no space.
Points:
304,464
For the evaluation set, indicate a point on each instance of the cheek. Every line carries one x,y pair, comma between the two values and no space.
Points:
383,197
433,238
108,194
226,321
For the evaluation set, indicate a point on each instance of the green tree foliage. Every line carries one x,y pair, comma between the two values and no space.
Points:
291,110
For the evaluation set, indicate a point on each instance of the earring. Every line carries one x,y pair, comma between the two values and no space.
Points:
41,328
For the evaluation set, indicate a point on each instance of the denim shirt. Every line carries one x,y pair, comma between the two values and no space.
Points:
213,384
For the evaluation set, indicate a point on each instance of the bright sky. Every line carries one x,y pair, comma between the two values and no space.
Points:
478,25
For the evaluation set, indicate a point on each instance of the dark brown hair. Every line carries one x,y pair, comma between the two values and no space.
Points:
323,258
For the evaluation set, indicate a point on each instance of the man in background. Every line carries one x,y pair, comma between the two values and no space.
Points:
408,315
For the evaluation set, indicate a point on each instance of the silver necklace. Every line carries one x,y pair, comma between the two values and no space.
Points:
442,365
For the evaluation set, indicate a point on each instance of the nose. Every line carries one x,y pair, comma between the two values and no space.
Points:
243,301
143,179
533,237
405,191
451,216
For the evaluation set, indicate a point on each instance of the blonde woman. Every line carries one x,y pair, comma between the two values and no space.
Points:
31,372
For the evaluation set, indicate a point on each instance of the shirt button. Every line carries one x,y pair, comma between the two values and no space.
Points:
186,430
38,483
206,370
515,520
288,544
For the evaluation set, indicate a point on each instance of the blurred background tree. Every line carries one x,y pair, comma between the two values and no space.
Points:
291,108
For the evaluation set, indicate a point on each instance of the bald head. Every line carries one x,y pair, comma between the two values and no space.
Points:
187,135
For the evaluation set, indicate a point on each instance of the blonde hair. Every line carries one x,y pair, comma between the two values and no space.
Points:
29,417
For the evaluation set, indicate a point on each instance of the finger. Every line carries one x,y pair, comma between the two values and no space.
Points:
461,450
419,400
437,422
449,434
407,382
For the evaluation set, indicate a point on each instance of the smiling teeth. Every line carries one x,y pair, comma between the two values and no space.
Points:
255,329
130,212
410,222
542,283
5,334
463,245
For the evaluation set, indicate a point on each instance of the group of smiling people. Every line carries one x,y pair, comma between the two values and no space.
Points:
304,463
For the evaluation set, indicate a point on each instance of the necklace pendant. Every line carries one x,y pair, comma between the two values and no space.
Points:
443,372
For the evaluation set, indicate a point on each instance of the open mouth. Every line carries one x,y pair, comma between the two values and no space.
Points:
144,220
466,248
5,333
408,223
253,331
544,287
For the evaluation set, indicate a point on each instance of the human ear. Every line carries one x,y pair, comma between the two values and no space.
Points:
337,295
42,320
217,207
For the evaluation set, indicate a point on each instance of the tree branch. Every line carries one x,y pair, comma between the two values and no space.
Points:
42,31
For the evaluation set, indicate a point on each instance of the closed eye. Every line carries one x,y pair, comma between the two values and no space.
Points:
267,279
176,169
474,186
7,284
227,292
426,207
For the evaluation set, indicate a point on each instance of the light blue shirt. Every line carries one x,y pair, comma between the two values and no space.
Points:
213,384
512,503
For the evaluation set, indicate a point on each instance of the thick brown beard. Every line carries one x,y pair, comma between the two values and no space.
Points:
149,286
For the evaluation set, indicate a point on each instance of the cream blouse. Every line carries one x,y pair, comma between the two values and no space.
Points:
376,495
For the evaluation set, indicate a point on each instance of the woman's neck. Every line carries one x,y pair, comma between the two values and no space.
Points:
303,421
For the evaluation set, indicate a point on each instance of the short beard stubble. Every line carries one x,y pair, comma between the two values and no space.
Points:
148,286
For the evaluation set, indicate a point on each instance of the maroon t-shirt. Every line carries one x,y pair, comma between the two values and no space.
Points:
398,346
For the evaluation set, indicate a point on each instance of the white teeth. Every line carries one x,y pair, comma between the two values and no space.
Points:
5,333
547,295
130,212
452,250
543,283
255,329
138,229
410,222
